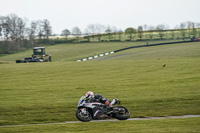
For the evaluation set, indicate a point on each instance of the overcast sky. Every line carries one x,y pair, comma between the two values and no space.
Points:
66,14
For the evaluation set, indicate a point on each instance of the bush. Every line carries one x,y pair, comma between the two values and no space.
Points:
127,40
84,41
115,40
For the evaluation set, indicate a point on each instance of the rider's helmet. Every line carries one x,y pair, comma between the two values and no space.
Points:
89,94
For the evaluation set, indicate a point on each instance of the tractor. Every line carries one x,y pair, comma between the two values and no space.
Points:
38,56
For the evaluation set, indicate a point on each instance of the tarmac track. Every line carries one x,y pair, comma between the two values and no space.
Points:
130,119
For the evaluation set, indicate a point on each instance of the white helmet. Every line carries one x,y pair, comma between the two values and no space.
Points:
89,94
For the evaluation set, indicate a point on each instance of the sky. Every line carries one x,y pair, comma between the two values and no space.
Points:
66,14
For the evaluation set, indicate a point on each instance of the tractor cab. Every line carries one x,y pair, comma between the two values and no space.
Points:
39,51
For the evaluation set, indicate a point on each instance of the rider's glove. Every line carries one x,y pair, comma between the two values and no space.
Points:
107,103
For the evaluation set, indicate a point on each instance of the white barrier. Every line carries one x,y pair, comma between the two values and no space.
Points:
96,56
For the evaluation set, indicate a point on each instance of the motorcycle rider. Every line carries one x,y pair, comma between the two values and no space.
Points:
91,97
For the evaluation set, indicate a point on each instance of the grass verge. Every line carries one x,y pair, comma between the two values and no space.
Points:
184,125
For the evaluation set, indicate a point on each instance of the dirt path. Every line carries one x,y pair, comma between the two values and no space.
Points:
130,119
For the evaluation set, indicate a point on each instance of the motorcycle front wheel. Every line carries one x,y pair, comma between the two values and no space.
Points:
123,114
83,115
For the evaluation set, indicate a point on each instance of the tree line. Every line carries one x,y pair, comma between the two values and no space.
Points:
18,34
98,32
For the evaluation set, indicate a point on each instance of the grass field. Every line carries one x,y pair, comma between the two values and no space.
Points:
73,52
49,92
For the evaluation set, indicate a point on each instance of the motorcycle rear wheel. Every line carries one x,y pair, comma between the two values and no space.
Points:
122,116
83,117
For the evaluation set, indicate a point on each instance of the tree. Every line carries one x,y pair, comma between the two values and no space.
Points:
192,29
140,32
18,36
13,27
77,32
32,32
95,30
39,29
183,30
119,34
99,30
114,31
43,30
160,29
91,30
13,30
172,33
151,31
66,33
130,32
198,28
109,32
47,29
177,32
145,28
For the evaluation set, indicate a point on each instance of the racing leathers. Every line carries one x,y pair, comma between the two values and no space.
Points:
101,99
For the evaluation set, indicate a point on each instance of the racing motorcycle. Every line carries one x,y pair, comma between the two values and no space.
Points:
96,110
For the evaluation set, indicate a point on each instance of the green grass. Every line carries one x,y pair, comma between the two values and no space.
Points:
73,52
49,92
187,125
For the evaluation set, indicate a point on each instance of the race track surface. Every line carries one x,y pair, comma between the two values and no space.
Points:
130,119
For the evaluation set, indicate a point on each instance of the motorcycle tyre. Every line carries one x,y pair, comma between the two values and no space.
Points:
82,119
121,117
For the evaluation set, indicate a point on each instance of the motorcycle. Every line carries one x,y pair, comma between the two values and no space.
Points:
95,110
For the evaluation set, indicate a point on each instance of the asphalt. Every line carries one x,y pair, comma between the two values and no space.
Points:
130,119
